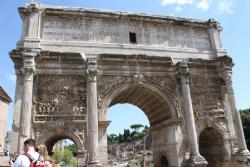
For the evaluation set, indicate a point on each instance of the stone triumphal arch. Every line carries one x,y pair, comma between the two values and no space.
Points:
74,63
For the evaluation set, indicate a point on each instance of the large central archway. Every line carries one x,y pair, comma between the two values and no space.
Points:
159,110
154,105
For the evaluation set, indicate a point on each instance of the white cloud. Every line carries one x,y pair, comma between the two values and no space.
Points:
176,2
11,77
221,5
178,9
225,6
204,4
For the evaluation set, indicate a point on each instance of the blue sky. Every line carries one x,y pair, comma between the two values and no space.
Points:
234,16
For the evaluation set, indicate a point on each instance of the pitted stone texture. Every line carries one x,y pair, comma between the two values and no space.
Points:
86,63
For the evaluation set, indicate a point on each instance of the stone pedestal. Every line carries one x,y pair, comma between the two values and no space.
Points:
196,160
81,158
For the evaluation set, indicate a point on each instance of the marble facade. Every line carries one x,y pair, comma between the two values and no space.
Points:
72,64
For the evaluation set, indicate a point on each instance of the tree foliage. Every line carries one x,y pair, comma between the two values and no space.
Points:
65,156
136,127
129,136
58,155
72,148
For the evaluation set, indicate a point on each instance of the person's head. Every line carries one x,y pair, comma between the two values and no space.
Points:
42,150
51,161
29,143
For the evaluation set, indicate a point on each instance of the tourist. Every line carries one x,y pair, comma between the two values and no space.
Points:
44,156
24,160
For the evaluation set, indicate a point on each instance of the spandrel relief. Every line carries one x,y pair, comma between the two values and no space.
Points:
59,98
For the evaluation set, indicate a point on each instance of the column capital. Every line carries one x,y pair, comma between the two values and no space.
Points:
29,66
28,72
225,65
91,69
183,72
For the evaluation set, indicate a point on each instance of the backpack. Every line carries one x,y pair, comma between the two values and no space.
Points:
34,162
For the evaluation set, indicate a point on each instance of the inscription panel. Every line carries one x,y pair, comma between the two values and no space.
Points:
104,31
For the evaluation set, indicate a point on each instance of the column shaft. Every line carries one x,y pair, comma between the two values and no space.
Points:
92,110
238,123
27,103
28,71
192,134
195,158
16,126
92,120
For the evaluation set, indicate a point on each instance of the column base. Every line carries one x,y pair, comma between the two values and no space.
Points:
197,161
242,155
243,152
94,164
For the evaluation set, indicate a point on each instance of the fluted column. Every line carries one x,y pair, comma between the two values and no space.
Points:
226,72
195,158
28,71
91,72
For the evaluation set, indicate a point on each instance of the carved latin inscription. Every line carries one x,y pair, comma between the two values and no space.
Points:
62,30
103,31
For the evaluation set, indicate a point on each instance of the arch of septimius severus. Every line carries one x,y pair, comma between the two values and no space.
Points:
72,64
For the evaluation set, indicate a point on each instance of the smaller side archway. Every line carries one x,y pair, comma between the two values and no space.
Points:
50,143
164,161
51,139
212,147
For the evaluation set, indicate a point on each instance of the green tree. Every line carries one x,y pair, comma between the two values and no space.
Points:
146,129
58,155
74,163
120,138
126,135
136,127
112,138
72,148
67,156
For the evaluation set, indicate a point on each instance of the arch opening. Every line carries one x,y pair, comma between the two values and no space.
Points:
164,161
60,141
155,105
212,147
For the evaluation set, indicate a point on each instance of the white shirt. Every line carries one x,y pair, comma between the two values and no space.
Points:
24,161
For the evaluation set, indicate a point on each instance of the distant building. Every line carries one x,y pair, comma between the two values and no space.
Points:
7,141
5,100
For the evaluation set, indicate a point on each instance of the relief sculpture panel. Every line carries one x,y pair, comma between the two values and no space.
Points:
59,98
207,97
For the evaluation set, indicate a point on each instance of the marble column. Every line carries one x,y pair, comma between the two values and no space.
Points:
17,112
93,150
28,72
227,77
195,158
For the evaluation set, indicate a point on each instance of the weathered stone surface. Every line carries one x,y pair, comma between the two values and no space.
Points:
5,100
84,62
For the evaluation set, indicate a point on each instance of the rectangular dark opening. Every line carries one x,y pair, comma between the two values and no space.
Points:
132,37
